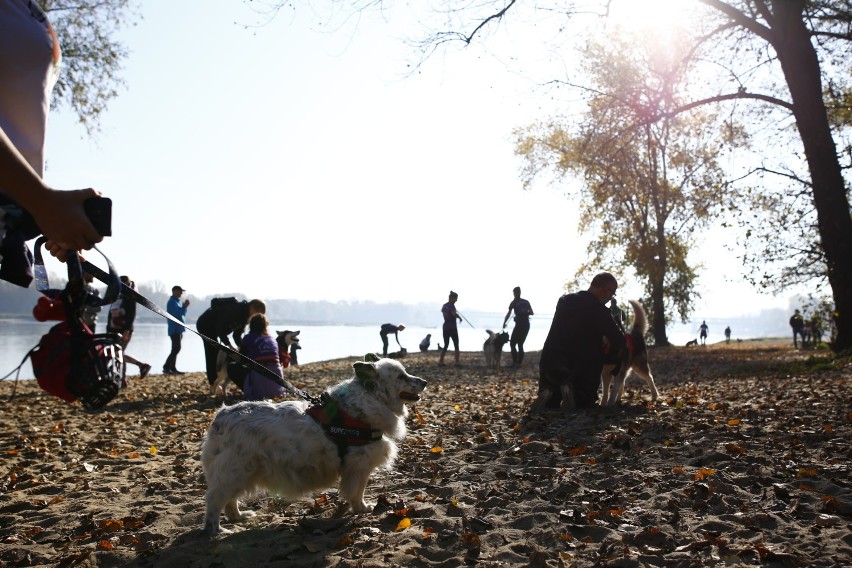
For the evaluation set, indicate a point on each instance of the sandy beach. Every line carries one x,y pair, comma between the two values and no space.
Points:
745,460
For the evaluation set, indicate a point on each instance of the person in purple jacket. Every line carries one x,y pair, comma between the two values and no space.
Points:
257,344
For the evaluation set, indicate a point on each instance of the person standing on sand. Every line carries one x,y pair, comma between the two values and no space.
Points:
177,310
728,334
122,314
450,329
797,322
702,332
523,310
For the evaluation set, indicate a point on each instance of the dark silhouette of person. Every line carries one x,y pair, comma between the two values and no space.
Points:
387,329
797,322
573,353
523,310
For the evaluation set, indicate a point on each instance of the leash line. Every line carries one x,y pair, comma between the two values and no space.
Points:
245,361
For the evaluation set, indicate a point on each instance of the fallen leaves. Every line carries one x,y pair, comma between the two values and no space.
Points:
719,471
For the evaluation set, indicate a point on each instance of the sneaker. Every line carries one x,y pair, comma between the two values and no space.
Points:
144,369
176,372
168,371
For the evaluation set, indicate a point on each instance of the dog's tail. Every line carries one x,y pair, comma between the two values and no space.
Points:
640,320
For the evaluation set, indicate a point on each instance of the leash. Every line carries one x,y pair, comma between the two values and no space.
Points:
465,319
236,355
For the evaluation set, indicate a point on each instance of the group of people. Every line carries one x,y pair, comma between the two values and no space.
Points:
226,319
521,307
809,331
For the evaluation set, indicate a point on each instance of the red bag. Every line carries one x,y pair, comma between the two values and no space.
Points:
52,361
94,374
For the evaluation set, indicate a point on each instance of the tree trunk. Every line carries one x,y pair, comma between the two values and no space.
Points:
801,68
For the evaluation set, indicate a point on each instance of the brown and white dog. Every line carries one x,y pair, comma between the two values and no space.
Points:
635,359
287,449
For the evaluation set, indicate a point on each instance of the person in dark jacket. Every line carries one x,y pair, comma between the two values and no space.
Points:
573,353
224,317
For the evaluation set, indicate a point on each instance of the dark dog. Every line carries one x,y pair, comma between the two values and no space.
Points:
398,354
635,359
493,348
692,342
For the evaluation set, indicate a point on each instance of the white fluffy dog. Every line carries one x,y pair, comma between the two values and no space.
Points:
283,448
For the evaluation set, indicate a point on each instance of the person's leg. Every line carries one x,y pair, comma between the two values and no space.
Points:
211,355
171,360
455,337
584,385
444,348
384,344
513,346
520,336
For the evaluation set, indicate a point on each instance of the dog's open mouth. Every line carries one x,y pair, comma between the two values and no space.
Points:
409,396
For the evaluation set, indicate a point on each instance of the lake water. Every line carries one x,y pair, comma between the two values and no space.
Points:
150,344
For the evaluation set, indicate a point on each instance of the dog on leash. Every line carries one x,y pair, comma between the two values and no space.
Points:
634,359
285,340
492,349
291,449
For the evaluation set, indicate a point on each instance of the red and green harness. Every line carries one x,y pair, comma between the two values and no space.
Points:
343,429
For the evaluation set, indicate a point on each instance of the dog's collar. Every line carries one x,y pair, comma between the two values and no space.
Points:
342,428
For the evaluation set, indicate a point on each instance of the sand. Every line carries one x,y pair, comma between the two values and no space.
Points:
744,460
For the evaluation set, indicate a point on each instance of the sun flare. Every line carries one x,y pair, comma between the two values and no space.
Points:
649,15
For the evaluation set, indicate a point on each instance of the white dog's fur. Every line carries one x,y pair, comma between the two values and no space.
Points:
219,387
277,447
636,361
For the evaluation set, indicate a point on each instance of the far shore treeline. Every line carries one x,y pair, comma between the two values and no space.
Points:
18,302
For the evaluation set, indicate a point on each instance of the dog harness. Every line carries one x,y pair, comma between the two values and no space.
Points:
343,429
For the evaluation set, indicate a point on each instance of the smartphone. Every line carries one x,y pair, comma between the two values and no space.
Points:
99,212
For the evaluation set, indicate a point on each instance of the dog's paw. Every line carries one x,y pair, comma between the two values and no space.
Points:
361,508
213,531
247,515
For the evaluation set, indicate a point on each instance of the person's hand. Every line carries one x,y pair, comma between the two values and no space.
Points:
185,303
63,221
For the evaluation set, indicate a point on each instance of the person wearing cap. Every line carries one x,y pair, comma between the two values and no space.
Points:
177,310
387,329
523,310
572,354
450,329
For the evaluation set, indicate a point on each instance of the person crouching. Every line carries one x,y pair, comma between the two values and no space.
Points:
262,347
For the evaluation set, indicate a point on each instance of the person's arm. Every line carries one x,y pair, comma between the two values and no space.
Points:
506,319
59,214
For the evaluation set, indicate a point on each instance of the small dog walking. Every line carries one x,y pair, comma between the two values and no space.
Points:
291,448
492,349
635,359
285,340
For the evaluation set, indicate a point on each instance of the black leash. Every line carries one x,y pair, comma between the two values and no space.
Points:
234,354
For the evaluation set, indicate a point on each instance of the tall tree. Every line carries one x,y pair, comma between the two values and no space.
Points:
797,42
92,57
648,185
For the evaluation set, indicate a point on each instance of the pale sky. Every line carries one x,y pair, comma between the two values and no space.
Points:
285,162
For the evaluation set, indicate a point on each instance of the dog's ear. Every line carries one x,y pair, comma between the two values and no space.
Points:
365,373
371,357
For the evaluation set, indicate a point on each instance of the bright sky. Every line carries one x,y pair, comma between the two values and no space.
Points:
285,162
